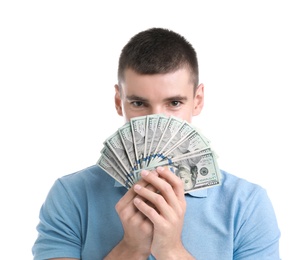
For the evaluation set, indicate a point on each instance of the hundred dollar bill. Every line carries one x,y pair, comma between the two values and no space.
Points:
138,128
198,170
114,143
180,157
147,142
205,173
194,157
200,175
128,144
114,161
171,130
112,170
151,125
192,142
180,134
178,140
161,126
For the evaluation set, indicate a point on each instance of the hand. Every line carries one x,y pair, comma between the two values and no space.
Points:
138,229
166,211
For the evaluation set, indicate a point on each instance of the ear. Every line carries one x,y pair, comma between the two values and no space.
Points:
118,100
198,100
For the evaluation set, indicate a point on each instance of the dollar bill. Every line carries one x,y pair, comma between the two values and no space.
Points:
118,151
151,125
150,141
128,144
138,128
171,130
110,166
160,129
197,169
178,142
198,175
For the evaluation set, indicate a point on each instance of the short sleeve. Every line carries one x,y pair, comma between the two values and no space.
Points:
257,233
59,226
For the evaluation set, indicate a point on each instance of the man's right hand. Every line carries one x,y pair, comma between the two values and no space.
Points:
138,229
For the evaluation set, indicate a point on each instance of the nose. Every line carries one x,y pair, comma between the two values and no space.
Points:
158,110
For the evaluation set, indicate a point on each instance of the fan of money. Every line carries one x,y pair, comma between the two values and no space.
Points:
150,141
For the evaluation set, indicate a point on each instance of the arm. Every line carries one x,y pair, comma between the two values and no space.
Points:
58,230
257,233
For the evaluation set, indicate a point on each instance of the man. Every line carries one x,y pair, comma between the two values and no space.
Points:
89,216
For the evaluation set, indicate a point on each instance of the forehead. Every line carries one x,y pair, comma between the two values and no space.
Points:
175,83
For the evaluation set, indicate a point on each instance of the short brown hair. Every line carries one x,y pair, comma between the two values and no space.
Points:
158,51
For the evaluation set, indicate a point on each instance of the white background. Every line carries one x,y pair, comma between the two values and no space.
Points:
58,62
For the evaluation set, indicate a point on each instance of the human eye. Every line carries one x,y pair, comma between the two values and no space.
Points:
138,104
175,103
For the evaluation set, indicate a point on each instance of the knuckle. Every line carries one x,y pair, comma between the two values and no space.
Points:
167,188
118,207
179,183
159,199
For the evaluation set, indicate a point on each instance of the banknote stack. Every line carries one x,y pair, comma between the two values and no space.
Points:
156,140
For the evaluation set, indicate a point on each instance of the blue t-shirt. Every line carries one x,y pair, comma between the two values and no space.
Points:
232,221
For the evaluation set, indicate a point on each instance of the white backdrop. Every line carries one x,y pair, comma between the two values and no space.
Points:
58,62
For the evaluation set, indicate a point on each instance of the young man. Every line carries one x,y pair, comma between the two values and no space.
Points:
89,216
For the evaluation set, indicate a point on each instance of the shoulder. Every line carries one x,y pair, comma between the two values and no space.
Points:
82,185
236,186
254,219
242,197
80,192
92,177
89,174
250,202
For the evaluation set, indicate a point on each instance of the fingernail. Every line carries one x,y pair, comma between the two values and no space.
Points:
144,173
136,200
160,168
137,187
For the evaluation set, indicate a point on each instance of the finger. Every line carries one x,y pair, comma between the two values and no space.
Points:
127,210
130,194
173,180
125,204
165,201
170,187
148,185
147,210
167,183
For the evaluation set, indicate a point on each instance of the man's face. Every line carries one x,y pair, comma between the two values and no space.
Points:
168,94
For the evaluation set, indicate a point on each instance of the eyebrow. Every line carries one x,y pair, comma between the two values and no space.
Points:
137,98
